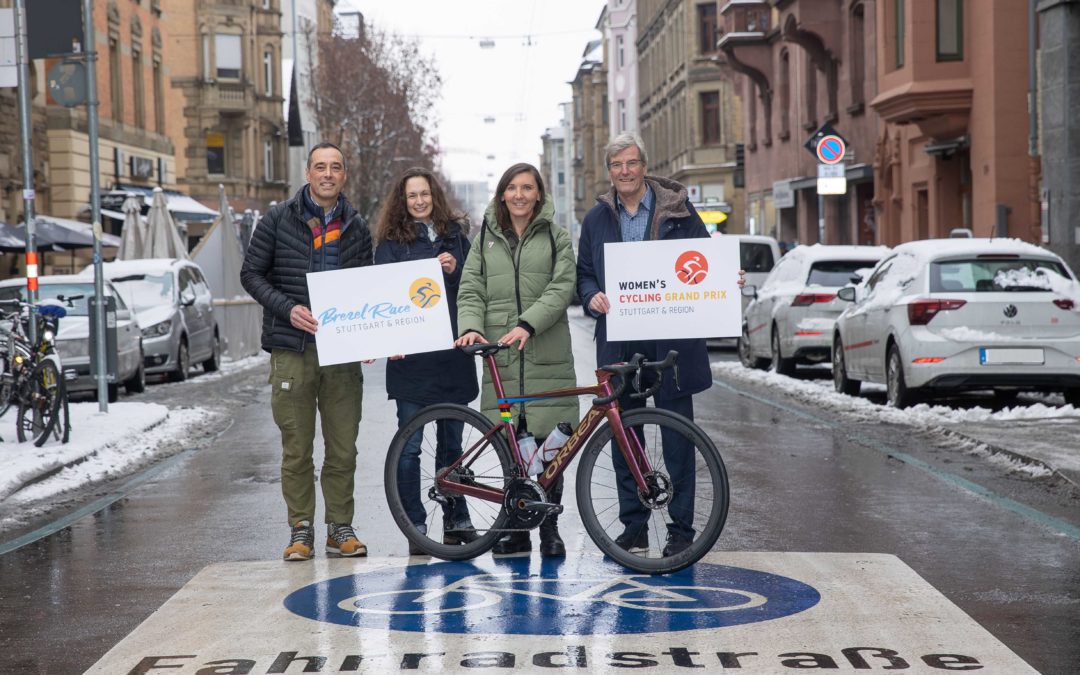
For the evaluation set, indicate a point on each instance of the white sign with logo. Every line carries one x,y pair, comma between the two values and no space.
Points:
371,312
783,195
686,288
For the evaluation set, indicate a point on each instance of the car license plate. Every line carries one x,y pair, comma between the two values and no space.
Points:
994,356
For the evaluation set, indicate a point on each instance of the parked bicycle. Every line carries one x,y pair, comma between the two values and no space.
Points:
491,473
31,379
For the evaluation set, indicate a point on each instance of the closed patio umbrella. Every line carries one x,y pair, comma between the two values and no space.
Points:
162,238
133,236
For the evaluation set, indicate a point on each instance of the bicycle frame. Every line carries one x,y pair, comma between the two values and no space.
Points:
628,444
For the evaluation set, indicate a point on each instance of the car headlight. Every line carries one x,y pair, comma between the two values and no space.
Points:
157,330
70,349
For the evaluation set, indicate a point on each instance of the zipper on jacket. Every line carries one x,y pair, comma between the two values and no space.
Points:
517,294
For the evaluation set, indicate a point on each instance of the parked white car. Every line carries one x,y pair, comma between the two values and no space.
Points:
175,309
758,255
949,315
790,317
73,332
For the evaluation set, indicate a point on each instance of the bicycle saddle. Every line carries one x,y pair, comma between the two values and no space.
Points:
482,348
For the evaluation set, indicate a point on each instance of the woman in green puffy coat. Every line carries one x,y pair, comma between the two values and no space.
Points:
515,288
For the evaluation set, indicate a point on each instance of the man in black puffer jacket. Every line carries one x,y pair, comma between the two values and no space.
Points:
315,231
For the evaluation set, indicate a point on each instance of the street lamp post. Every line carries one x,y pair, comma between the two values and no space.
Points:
22,53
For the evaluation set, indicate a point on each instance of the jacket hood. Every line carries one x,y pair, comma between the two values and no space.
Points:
669,201
546,215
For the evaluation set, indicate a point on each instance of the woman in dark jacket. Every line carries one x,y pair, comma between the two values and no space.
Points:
416,224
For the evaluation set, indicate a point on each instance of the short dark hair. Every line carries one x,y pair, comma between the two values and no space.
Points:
324,146
502,213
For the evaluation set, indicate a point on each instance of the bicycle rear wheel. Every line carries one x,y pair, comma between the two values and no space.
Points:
444,523
39,407
681,518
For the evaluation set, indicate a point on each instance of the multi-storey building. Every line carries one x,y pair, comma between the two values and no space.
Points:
590,127
132,78
804,64
474,196
225,61
952,95
11,167
688,109
554,163
620,33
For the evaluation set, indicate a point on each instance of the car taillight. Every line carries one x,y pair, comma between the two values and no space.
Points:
807,299
920,312
1065,303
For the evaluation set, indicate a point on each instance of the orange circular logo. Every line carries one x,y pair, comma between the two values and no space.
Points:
692,267
425,293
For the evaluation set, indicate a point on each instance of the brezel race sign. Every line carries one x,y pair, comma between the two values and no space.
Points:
382,310
686,288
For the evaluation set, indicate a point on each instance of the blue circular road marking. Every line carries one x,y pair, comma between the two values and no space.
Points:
522,596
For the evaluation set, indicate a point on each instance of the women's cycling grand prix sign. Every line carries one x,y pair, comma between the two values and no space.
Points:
683,288
740,612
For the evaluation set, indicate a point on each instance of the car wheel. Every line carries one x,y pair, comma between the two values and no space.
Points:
1072,397
214,362
841,382
746,356
780,365
899,396
136,384
183,363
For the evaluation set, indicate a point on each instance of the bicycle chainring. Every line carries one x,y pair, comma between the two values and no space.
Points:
523,490
659,495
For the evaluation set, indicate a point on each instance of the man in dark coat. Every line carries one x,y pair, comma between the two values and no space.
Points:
315,231
644,208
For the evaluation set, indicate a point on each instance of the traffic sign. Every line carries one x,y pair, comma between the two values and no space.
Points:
819,135
830,149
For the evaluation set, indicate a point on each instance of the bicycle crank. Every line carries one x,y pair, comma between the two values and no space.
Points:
527,504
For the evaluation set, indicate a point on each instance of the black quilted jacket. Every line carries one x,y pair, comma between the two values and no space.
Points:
278,259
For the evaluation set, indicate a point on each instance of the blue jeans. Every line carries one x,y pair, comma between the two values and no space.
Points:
447,451
679,457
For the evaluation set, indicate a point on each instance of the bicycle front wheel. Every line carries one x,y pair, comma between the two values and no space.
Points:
444,522
680,517
39,408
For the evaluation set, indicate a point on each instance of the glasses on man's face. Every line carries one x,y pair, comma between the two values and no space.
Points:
633,165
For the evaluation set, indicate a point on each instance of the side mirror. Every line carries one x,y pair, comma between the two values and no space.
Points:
749,291
846,293
187,298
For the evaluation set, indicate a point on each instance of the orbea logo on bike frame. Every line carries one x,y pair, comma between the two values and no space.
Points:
425,293
692,267
512,596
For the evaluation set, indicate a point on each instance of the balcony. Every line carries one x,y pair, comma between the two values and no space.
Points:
744,43
941,108
228,97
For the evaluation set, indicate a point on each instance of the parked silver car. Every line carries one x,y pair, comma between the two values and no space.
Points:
790,317
949,315
73,332
175,309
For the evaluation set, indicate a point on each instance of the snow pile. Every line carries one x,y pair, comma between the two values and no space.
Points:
127,434
821,395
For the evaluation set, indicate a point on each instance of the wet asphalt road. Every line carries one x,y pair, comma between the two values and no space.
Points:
801,481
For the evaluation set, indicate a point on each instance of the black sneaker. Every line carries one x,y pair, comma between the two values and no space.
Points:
634,539
676,544
461,534
515,542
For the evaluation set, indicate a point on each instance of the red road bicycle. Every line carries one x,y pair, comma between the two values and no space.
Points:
673,480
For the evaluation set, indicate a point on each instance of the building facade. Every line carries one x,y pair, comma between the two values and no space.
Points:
133,113
1059,140
801,65
620,33
303,22
952,149
227,85
590,128
688,108
554,165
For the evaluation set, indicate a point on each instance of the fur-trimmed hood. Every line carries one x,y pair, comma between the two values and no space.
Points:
669,202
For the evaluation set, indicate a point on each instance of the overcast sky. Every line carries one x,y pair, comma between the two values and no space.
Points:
520,82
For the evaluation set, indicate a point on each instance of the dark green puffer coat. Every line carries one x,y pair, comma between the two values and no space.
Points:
533,283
